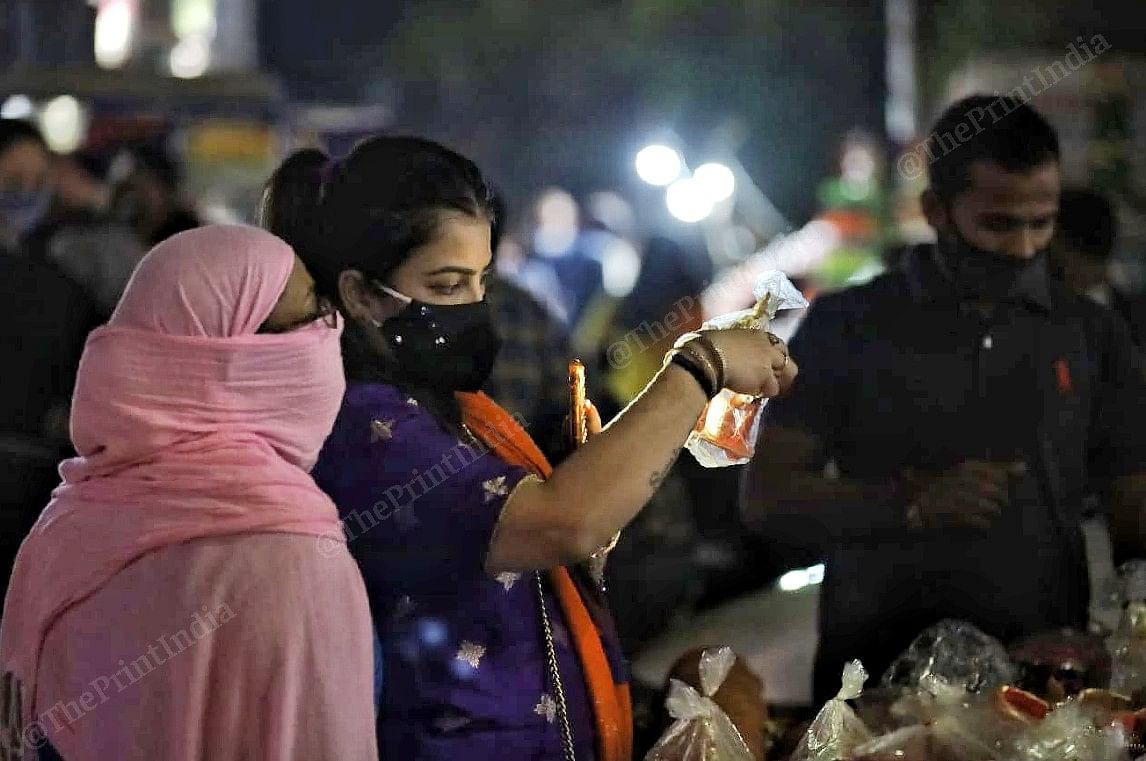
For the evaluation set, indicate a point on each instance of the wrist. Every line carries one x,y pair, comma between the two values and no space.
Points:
702,374
705,352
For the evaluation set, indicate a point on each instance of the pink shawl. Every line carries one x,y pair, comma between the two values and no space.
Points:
188,424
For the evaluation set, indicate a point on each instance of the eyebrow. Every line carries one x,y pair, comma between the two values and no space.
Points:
457,271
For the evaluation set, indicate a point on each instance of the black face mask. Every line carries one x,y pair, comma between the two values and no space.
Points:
986,275
442,347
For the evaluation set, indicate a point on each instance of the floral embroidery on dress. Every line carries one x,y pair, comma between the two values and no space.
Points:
546,707
508,579
381,430
495,487
471,653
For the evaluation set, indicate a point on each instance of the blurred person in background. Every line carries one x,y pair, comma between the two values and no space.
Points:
1087,234
25,181
471,543
188,575
80,237
557,268
145,193
44,318
968,404
529,378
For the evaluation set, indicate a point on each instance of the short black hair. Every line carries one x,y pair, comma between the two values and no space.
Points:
153,158
1001,129
1087,223
14,131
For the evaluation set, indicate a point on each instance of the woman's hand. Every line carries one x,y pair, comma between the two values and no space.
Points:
593,424
755,362
592,419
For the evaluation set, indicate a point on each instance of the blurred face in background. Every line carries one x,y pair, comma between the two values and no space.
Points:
25,188
141,200
557,223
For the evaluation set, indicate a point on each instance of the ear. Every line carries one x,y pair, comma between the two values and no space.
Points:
934,210
360,300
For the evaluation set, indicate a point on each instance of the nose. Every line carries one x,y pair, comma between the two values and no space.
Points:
1023,244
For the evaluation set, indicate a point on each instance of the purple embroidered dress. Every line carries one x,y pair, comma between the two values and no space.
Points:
463,652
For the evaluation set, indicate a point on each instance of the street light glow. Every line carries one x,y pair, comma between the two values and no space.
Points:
659,165
113,32
717,181
17,107
62,121
687,201
190,58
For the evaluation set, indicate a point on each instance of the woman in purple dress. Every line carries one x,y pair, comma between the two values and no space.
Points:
464,534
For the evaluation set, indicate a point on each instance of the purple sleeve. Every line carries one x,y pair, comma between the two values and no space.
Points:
416,503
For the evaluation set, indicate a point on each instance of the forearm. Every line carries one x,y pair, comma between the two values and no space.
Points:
605,483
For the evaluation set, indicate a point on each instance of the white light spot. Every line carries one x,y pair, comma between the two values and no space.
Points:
717,181
190,58
63,122
687,201
659,165
794,581
114,30
17,107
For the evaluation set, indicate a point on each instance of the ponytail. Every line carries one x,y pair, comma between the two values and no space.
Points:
289,208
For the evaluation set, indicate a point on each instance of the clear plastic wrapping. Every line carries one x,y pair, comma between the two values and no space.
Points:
1070,733
701,731
836,731
956,652
725,433
1128,643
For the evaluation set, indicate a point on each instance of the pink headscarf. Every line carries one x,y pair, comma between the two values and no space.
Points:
188,424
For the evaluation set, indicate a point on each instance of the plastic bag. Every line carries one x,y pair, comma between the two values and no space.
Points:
836,731
958,653
912,743
1070,734
702,731
1061,663
725,433
1128,643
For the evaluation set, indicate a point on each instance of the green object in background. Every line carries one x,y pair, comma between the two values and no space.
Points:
844,264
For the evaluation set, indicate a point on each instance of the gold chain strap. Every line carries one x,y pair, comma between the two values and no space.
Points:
555,672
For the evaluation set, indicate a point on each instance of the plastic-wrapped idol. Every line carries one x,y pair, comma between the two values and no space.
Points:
725,434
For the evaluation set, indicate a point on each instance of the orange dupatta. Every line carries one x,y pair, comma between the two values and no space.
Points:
612,707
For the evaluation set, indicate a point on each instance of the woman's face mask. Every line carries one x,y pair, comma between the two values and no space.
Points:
441,347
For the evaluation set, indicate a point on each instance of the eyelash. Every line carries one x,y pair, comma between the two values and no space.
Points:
452,288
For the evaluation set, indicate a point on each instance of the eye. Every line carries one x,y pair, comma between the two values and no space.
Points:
446,289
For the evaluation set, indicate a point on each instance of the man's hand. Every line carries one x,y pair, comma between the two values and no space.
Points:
970,495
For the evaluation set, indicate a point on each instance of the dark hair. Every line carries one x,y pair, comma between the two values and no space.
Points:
1087,223
154,159
371,210
998,129
14,131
